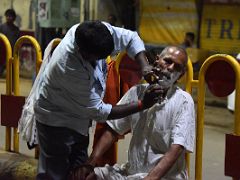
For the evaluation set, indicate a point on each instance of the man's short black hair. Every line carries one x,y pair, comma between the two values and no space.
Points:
191,35
93,37
10,12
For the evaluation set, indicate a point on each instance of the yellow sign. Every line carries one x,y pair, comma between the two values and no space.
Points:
165,22
220,28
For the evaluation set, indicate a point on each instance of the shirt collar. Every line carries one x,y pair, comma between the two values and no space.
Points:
170,92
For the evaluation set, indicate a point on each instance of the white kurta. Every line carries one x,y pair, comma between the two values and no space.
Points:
154,131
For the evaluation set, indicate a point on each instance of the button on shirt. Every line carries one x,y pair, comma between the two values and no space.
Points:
72,90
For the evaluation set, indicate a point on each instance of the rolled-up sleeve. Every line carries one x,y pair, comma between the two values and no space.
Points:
102,112
184,129
125,40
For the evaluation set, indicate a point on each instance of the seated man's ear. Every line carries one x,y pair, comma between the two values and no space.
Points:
181,75
184,70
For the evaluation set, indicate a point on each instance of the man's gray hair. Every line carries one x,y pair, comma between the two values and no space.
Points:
165,50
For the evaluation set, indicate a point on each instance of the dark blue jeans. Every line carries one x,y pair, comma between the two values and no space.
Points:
61,150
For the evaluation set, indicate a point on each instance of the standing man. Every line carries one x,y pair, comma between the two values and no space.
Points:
71,92
188,40
10,30
161,135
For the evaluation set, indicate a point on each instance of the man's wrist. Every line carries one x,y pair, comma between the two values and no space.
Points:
92,160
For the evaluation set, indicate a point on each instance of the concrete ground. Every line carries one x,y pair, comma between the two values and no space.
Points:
218,122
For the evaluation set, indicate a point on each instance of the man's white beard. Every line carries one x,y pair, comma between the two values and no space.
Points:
167,81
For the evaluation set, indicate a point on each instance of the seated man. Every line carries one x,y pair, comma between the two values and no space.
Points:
161,135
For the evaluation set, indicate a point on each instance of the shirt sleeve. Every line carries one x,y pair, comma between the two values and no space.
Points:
184,128
123,125
125,40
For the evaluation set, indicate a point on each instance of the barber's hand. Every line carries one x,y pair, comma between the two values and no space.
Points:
83,172
149,74
152,95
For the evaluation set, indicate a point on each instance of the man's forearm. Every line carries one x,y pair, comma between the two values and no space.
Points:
141,59
124,110
146,69
105,142
151,96
165,163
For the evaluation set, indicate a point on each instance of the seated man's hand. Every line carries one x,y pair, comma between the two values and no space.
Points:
152,95
83,172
